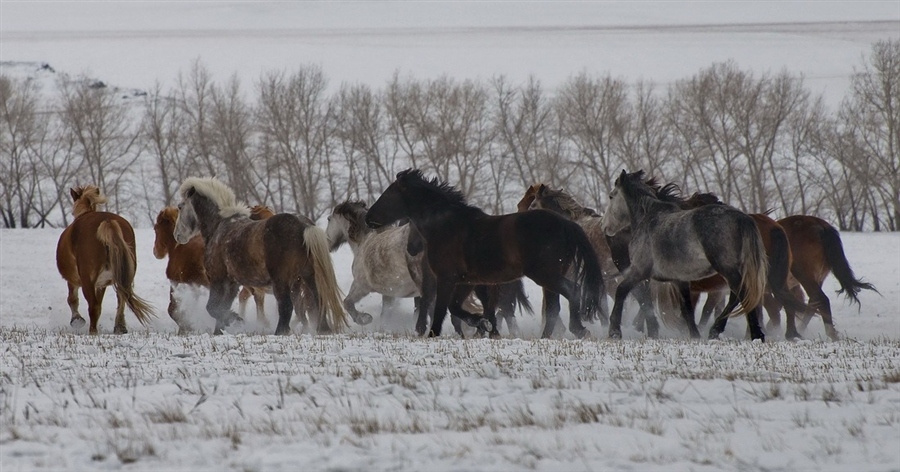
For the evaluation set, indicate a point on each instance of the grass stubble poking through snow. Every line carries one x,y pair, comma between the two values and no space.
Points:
375,402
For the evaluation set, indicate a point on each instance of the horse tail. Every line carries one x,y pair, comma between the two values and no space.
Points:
754,267
588,276
123,263
327,289
779,267
834,256
522,298
668,305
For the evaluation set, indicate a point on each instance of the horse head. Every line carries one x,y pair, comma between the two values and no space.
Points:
86,199
627,187
347,223
164,228
203,201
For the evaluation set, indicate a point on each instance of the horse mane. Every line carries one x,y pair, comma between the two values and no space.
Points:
354,211
168,213
568,204
213,189
445,192
671,193
86,199
261,212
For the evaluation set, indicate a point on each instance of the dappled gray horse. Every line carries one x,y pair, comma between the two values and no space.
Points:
671,244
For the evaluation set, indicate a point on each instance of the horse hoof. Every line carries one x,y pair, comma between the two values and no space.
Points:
77,323
581,333
364,319
615,335
486,326
120,330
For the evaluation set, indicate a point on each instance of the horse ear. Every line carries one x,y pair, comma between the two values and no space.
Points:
75,195
190,192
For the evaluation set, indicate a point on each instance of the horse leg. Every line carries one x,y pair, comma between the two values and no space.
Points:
221,295
551,312
687,308
243,296
819,300
722,319
93,303
773,308
426,299
387,308
284,300
646,315
299,296
713,299
357,292
489,296
259,297
120,327
442,294
77,320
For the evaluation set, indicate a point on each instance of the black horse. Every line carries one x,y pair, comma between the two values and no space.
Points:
466,246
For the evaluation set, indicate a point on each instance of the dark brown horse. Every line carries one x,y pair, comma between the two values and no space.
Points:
465,246
818,251
283,252
185,264
95,251
612,251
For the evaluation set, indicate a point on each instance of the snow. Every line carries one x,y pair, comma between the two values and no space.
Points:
375,400
384,399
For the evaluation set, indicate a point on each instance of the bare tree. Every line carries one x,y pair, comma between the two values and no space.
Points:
18,131
231,132
293,118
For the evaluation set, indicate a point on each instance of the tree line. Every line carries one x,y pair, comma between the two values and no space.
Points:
760,142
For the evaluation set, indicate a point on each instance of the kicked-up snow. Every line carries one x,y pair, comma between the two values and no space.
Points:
379,398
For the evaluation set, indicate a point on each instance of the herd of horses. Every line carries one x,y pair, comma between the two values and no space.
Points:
422,240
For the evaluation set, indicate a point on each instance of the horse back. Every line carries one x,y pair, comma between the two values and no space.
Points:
80,251
805,234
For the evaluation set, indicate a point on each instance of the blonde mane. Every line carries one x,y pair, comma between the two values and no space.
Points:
86,199
218,192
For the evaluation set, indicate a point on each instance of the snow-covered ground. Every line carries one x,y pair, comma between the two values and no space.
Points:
385,400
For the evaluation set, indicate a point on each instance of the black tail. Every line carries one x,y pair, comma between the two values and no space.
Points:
588,276
779,267
834,255
522,299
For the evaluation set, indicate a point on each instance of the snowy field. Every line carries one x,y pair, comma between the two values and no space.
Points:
385,400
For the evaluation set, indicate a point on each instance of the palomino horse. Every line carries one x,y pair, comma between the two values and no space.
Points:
671,244
94,252
611,250
282,252
384,263
185,265
817,249
466,246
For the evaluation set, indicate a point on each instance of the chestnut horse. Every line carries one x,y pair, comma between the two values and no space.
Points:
185,265
96,251
818,251
283,252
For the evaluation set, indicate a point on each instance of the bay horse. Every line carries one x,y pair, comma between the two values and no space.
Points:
818,251
283,252
466,246
185,265
611,250
672,244
95,251
392,262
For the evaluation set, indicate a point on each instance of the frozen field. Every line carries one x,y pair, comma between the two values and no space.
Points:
389,401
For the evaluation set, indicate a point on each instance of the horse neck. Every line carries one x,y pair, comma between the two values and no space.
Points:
167,239
644,209
82,207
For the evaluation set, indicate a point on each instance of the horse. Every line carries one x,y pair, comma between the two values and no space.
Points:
611,250
466,246
672,244
185,264
95,251
818,251
778,252
387,262
283,252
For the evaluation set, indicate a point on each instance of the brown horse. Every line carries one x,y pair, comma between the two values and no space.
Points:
185,265
818,251
283,252
96,251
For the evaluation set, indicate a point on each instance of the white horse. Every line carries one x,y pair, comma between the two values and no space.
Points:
381,262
